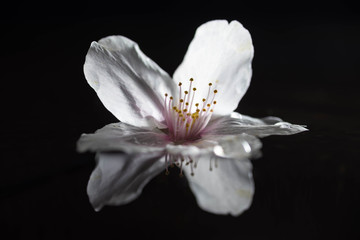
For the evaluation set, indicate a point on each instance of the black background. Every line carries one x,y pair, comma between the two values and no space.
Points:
305,71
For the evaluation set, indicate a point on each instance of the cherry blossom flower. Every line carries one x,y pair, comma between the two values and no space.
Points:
186,121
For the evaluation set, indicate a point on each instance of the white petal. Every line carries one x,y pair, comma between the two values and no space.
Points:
220,53
227,189
123,137
224,146
129,84
193,149
120,178
242,146
236,123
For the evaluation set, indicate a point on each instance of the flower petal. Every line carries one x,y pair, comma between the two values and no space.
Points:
220,176
220,53
129,84
224,146
237,146
123,137
227,189
236,123
119,178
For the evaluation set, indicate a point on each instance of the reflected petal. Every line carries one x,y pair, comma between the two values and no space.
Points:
119,178
227,189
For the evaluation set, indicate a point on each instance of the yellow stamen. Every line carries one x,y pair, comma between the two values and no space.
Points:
187,121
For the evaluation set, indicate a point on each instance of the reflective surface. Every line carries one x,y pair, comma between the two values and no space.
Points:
306,185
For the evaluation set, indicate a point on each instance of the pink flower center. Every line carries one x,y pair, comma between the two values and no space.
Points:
185,119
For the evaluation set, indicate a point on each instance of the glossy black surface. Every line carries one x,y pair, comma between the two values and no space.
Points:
305,71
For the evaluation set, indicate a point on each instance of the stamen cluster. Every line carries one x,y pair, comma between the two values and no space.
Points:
184,122
181,161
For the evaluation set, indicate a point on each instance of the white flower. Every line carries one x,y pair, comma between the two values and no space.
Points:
187,120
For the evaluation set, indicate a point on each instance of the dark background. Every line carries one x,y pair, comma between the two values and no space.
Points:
305,71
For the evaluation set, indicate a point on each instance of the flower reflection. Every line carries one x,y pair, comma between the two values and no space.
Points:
187,120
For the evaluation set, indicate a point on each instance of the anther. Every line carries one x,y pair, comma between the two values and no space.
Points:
184,121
